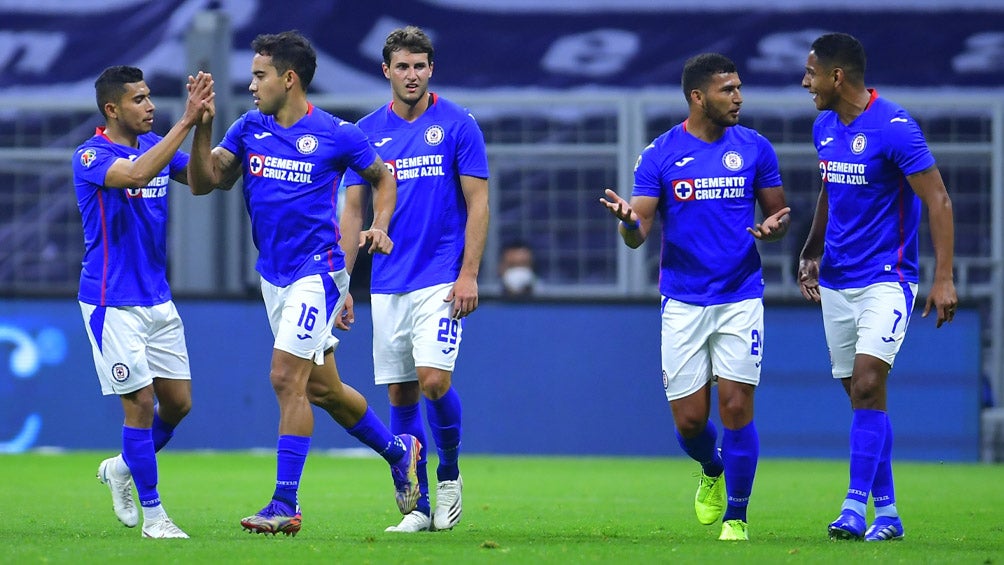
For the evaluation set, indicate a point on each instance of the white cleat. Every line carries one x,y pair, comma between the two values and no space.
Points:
414,521
163,529
121,489
449,504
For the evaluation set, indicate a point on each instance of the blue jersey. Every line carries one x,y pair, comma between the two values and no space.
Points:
291,178
871,233
707,199
125,230
427,157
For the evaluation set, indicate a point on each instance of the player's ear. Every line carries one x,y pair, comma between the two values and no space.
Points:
386,70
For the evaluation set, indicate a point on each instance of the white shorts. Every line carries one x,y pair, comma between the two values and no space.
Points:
413,330
870,320
700,343
132,345
303,314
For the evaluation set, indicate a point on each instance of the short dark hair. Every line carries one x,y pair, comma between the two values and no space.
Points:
411,39
110,85
289,50
841,50
699,69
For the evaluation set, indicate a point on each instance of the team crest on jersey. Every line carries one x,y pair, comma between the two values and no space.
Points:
120,372
306,144
434,135
87,157
732,160
859,143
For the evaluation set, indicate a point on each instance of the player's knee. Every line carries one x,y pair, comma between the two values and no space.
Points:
434,384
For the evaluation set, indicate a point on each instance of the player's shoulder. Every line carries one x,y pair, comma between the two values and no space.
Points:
886,111
444,107
744,134
376,118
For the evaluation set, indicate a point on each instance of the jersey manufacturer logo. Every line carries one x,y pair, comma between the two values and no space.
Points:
120,372
683,161
382,142
87,157
262,135
306,144
859,143
732,160
434,135
825,142
894,120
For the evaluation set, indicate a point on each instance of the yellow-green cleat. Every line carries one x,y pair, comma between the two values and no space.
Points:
734,530
710,500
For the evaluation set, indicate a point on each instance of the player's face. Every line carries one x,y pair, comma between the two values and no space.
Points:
267,86
408,74
134,110
723,99
819,82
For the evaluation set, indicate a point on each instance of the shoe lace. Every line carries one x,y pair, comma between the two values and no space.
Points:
170,527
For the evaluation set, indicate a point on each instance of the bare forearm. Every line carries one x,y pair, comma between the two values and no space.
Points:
475,236
943,238
202,177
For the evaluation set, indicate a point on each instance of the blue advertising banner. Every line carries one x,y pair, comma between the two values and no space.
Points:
535,378
54,48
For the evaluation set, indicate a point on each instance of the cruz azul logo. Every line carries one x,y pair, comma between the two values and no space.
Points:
709,188
289,170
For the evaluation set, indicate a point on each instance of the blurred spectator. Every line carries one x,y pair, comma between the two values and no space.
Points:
516,269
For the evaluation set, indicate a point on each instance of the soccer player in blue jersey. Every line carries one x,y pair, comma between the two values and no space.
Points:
121,176
292,156
704,178
422,292
860,259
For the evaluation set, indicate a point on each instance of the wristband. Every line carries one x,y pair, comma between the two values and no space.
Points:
630,226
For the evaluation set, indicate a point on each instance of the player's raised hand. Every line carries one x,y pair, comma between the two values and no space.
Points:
771,228
201,97
347,316
943,300
619,207
808,279
378,241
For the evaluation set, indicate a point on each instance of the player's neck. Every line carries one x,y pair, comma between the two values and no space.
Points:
411,112
291,112
704,129
853,104
120,136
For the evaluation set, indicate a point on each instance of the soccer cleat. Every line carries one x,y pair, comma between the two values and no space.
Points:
734,530
885,528
405,475
121,488
273,520
414,521
449,504
848,526
709,503
163,529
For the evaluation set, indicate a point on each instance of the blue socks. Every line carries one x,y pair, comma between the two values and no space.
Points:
140,457
868,437
408,420
883,489
162,432
444,421
291,454
703,449
371,432
740,453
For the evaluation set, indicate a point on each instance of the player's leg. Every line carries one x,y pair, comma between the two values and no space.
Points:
436,339
406,418
167,355
885,314
737,350
686,376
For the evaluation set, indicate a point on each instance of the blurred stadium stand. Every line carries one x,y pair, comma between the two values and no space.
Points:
567,93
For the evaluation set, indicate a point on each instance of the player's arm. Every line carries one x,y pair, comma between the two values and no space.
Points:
137,173
384,201
777,215
812,250
351,223
930,187
209,168
636,217
464,293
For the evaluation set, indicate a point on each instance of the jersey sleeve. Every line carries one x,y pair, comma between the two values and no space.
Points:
357,152
232,139
178,162
472,157
647,174
906,145
768,174
91,164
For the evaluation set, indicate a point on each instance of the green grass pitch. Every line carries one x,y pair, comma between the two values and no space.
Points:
516,510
